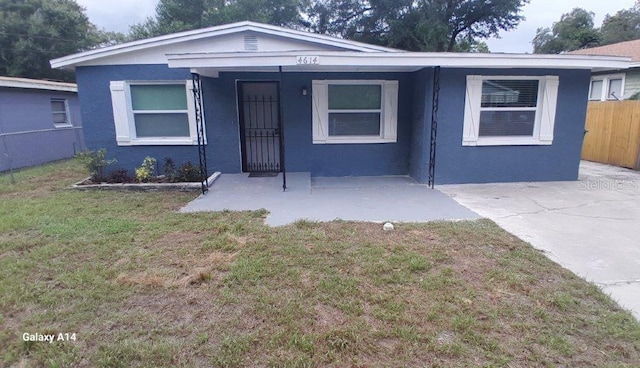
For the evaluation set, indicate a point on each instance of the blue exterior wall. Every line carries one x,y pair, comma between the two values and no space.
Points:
300,153
97,113
421,127
28,136
223,130
410,155
559,161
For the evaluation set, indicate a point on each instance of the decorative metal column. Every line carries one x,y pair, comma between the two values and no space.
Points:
282,163
434,126
202,152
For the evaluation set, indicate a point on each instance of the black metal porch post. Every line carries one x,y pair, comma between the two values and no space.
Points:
202,152
281,124
434,126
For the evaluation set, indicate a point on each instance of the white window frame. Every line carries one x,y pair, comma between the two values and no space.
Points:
123,115
544,120
606,84
67,122
388,112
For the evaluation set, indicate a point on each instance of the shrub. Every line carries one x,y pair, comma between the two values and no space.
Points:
119,176
145,171
635,96
188,173
95,162
170,171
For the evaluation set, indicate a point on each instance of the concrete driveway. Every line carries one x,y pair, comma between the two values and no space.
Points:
591,226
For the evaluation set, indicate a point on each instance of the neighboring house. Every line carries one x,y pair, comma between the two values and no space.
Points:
39,122
270,97
618,84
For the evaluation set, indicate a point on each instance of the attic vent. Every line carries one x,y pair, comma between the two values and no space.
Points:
250,43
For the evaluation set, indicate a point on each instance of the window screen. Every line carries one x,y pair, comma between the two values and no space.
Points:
59,110
355,110
596,90
615,89
160,110
508,107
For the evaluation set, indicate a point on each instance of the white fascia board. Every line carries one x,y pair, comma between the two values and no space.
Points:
76,59
239,60
37,84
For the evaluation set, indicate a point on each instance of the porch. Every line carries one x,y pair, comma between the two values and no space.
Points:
375,199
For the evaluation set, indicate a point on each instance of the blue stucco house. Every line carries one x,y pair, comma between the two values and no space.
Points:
39,122
249,97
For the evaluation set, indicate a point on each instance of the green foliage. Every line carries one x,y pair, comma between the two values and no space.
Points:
34,31
187,172
574,31
180,15
622,26
95,162
169,169
145,171
429,25
635,96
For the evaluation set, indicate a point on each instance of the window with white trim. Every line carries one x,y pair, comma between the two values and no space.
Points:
607,87
154,113
355,111
60,111
509,110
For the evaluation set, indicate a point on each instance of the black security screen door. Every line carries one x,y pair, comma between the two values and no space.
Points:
259,126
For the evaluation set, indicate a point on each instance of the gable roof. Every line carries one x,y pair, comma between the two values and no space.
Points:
627,48
26,83
198,34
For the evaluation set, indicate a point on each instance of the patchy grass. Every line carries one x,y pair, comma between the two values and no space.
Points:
142,285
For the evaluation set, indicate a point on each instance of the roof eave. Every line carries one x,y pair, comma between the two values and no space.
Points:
24,83
451,60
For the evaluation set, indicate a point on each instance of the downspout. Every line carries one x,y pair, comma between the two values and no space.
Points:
281,124
434,126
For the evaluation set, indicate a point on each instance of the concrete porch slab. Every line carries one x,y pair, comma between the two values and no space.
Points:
375,199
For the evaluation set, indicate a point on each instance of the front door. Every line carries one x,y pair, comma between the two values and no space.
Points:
259,110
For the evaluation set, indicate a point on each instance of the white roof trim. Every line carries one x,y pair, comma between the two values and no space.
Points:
75,59
402,60
26,83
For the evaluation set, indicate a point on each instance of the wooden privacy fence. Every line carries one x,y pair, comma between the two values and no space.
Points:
613,133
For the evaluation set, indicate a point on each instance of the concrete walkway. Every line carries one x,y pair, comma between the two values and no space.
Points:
376,199
591,226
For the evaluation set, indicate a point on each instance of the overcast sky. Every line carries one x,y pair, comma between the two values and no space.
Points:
118,15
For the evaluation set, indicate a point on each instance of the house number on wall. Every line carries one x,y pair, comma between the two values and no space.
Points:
307,60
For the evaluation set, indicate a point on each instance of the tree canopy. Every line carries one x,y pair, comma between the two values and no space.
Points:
576,30
425,25
179,15
34,31
622,26
573,31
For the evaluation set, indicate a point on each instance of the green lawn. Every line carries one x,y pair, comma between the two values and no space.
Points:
142,285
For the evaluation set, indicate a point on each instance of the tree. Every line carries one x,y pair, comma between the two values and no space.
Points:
180,15
574,31
623,26
426,25
34,31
